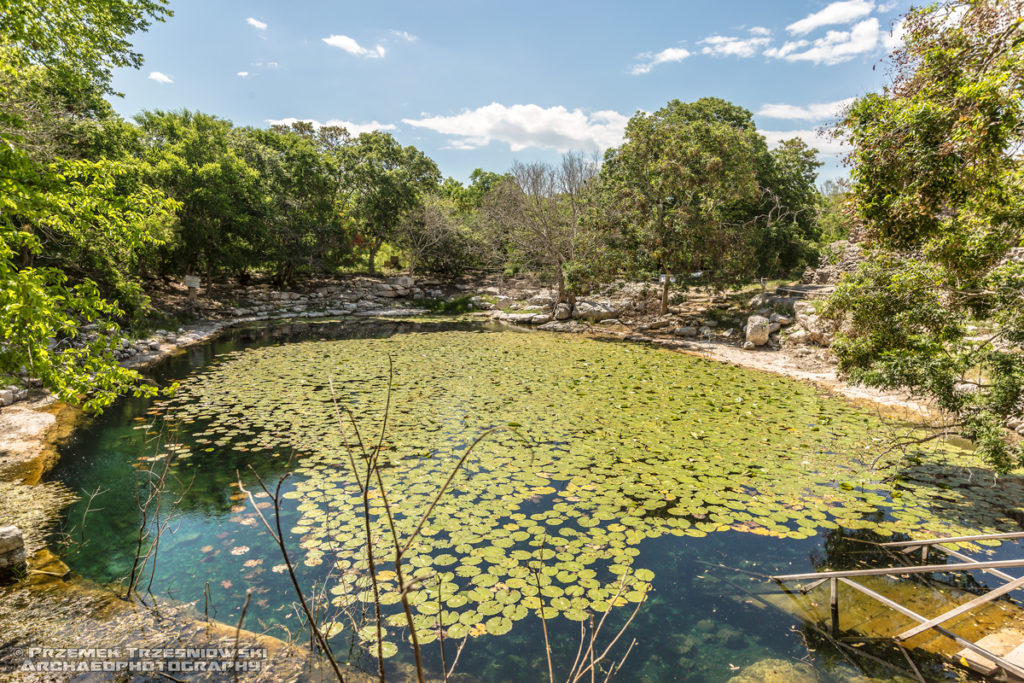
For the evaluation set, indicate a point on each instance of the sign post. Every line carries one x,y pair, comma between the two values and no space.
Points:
192,282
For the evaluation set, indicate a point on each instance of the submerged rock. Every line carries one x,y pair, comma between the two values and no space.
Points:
776,671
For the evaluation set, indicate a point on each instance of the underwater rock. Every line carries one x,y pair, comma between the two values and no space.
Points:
44,567
776,671
757,330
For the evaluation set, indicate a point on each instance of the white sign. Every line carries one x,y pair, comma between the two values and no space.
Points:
192,281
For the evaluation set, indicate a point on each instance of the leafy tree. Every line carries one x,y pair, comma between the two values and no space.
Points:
785,215
195,158
52,53
938,185
302,227
84,39
833,215
671,182
384,181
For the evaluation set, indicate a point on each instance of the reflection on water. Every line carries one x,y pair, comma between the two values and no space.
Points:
699,623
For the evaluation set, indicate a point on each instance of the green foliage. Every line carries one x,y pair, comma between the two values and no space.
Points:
939,306
671,181
457,306
86,39
384,181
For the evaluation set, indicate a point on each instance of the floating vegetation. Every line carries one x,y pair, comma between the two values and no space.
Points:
609,445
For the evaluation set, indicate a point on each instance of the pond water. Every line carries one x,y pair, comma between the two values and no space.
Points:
618,474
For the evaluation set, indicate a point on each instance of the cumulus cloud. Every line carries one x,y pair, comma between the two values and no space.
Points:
350,46
835,47
256,24
242,74
528,125
824,143
404,35
160,78
352,128
730,46
760,31
812,112
843,12
672,54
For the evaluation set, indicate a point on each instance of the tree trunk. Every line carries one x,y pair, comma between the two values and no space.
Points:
664,295
374,247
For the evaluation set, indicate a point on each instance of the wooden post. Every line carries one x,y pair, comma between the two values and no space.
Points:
833,600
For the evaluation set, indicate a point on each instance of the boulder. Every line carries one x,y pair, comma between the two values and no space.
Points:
7,397
12,549
594,310
564,326
563,312
820,330
757,330
685,331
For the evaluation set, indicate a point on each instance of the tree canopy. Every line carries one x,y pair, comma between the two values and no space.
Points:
938,308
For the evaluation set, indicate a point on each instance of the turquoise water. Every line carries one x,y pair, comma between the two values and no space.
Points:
699,623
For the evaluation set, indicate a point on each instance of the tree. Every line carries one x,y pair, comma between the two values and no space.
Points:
196,159
384,181
938,184
672,180
785,215
536,218
83,39
301,223
69,48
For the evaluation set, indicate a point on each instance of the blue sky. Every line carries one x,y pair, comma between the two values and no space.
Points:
481,84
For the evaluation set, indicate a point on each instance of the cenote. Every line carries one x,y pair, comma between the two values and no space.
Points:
618,474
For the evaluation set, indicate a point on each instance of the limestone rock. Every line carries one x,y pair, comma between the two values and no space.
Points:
758,330
685,331
563,312
12,549
564,326
820,330
594,310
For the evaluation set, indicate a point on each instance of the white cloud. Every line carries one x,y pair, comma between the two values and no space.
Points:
730,46
350,46
160,78
824,143
352,128
812,112
843,12
529,125
835,47
242,74
672,54
760,31
788,48
404,35
256,24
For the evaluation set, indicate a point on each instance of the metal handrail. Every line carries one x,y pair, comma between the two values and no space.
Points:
954,539
923,569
